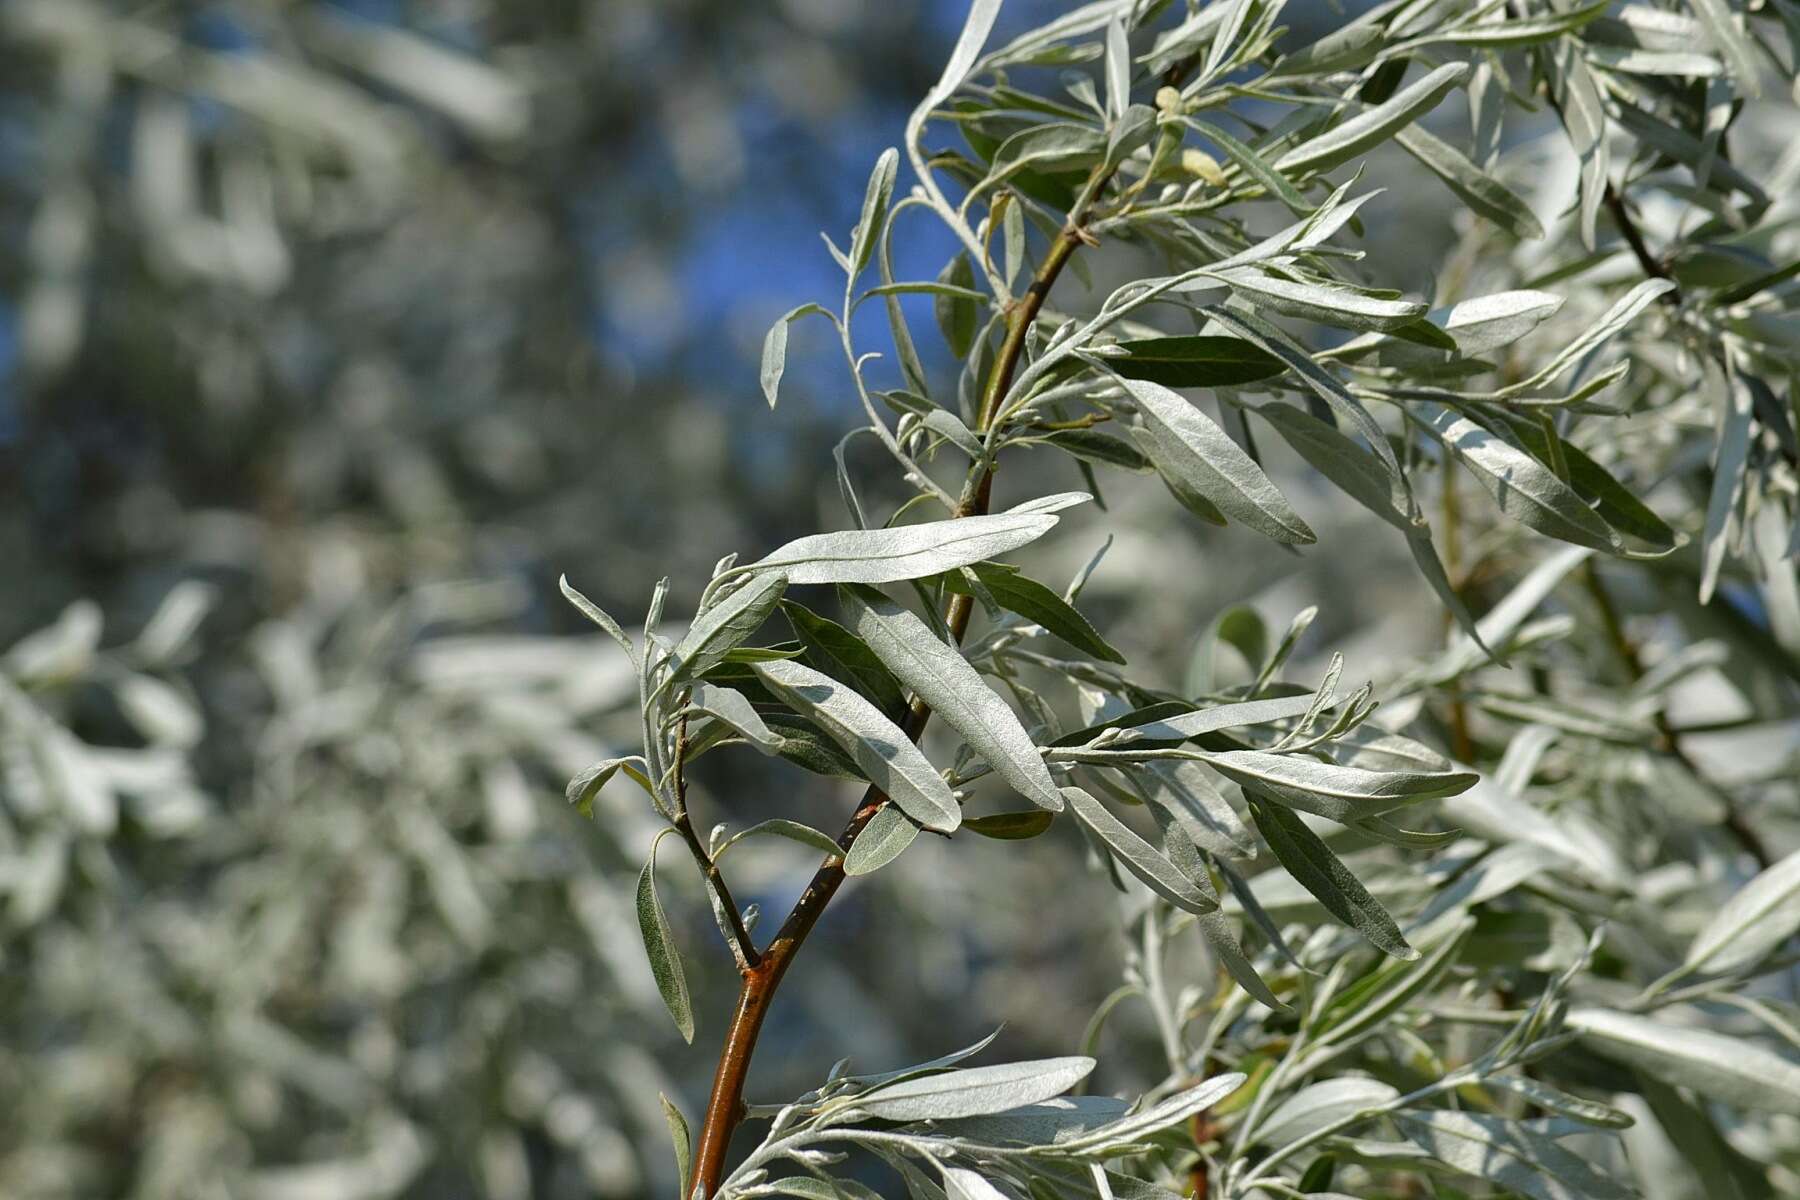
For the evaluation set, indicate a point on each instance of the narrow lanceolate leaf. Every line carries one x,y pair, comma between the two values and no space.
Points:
1479,190
1513,31
906,552
1508,1154
1257,167
1728,1069
659,944
1092,446
960,1183
1525,489
881,841
1343,50
879,747
733,708
1340,307
682,1140
1621,314
1189,446
974,36
1728,477
1138,856
793,831
1222,716
774,352
1338,458
1339,793
1729,38
1312,1108
1369,129
1318,870
1011,826
1058,146
1223,942
1489,322
939,675
972,1092
1037,604
598,616
725,626
585,786
1118,68
874,209
1187,792
958,315
1193,361
831,648
1130,1130
1762,914
1588,1112
1360,475
1318,380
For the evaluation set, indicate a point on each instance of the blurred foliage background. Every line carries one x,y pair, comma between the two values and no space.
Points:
330,333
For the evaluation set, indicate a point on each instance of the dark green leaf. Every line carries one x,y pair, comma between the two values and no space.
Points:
1036,603
1011,826
659,943
1193,361
1308,860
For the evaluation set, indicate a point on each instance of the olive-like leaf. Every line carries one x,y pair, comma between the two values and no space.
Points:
905,552
1194,360
1139,856
725,626
1371,127
1523,488
681,1139
881,841
774,351
1720,1067
1508,1154
938,674
1312,863
874,209
1037,604
883,752
1759,917
659,944
972,1091
1190,446
1011,826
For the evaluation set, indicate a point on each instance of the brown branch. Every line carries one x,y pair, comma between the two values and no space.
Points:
763,973
731,921
1649,263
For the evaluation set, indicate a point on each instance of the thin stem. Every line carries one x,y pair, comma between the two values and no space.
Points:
1461,743
1734,822
725,909
762,975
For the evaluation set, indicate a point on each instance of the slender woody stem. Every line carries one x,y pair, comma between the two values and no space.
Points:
763,972
731,920
1746,835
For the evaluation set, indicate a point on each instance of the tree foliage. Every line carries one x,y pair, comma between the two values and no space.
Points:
1498,903
1488,1019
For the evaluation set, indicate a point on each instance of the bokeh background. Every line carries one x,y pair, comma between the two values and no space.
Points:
330,334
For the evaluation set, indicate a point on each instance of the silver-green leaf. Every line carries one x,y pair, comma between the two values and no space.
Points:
938,674
903,553
885,754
